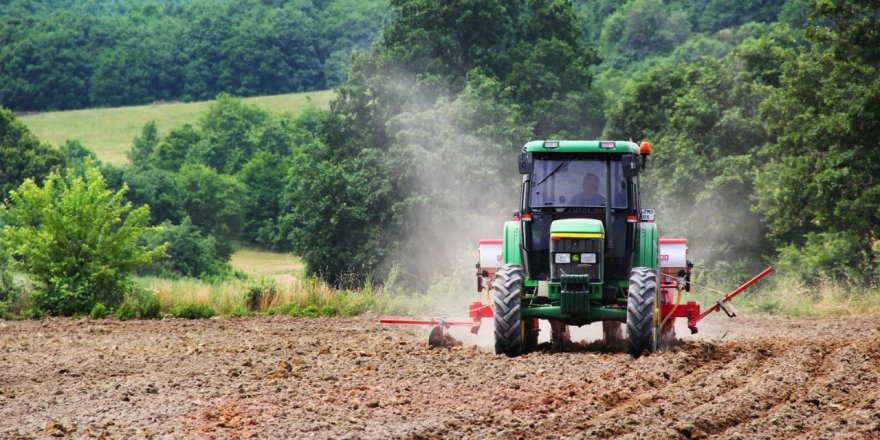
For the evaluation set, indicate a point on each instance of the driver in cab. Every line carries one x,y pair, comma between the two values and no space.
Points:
590,196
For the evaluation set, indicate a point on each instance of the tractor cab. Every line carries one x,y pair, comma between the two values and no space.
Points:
572,188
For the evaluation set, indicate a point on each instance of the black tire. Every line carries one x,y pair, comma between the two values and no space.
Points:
509,329
641,333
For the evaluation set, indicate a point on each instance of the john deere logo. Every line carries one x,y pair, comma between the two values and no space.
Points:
575,258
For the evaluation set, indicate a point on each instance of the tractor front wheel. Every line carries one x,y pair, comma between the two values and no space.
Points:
640,309
509,329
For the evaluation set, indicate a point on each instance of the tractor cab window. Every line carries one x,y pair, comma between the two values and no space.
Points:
571,182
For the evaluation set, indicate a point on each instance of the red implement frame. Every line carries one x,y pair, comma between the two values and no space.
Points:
477,312
691,310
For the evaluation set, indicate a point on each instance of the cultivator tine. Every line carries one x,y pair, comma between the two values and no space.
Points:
727,307
437,338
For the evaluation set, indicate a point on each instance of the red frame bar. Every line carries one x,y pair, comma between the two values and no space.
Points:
692,324
477,312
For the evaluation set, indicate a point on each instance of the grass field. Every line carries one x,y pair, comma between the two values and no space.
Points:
266,264
109,131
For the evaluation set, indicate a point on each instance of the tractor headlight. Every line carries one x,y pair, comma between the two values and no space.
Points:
588,258
562,258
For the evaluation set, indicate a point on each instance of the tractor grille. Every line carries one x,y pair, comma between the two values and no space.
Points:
576,246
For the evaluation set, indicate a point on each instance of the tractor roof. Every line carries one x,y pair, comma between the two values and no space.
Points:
621,147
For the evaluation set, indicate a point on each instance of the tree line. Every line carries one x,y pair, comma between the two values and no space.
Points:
58,55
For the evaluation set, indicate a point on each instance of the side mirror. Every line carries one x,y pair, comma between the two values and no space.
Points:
630,165
526,163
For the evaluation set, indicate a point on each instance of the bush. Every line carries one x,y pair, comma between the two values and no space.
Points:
143,305
190,252
835,256
33,313
80,240
99,311
193,311
9,290
261,294
4,312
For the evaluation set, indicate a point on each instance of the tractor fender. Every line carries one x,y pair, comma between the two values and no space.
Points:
511,244
647,243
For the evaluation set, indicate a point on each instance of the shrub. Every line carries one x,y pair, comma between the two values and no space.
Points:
193,311
4,312
79,240
261,294
129,309
33,313
836,256
99,311
190,252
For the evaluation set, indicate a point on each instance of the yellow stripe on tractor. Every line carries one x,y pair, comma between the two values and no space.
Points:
576,235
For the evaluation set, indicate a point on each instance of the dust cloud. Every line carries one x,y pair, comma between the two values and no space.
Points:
462,184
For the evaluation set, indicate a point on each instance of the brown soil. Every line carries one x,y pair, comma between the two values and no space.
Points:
352,378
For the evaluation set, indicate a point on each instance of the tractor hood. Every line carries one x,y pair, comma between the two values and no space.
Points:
577,227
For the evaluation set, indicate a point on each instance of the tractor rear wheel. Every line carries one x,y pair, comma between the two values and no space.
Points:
509,329
640,326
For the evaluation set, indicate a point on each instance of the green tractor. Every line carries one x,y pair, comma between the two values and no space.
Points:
580,248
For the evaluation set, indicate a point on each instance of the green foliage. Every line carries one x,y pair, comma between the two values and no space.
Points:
337,234
714,15
173,149
190,252
821,174
4,312
193,311
433,106
642,28
229,138
33,313
263,175
22,155
138,304
215,204
99,311
260,293
10,290
144,144
834,256
60,54
78,239
77,157
155,188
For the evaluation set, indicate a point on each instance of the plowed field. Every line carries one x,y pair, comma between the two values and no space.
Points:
352,378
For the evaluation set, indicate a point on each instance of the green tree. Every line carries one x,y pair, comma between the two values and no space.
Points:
22,155
155,188
144,144
264,175
339,234
228,137
190,252
706,135
215,203
80,240
821,175
173,149
642,28
77,157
